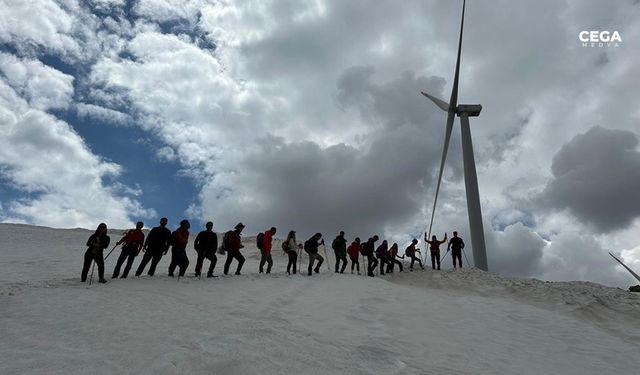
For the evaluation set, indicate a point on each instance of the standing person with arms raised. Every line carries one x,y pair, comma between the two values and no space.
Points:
179,240
456,244
368,249
232,245
311,247
411,251
434,247
290,247
156,245
339,246
392,256
354,254
96,243
133,241
206,245
264,243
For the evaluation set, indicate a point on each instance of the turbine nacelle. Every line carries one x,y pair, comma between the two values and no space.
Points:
472,110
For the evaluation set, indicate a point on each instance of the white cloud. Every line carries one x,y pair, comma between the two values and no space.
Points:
45,157
42,86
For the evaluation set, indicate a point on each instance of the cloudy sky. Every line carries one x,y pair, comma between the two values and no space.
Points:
306,114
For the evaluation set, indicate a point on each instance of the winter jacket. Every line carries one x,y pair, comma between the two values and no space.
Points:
233,241
354,250
180,238
393,252
410,250
158,239
435,245
381,251
206,242
133,239
456,243
266,242
340,245
98,243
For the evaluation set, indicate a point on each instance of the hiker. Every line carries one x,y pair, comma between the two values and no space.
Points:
434,247
381,254
290,246
133,241
179,240
456,244
156,245
264,244
96,244
411,251
232,244
311,247
354,253
392,260
367,249
206,245
339,246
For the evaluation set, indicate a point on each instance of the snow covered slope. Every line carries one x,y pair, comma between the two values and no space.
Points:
448,322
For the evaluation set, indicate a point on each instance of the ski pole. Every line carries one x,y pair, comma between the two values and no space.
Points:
114,247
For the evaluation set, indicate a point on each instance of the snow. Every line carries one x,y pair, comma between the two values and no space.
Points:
448,322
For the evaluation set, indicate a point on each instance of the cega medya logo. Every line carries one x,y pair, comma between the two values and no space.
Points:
600,39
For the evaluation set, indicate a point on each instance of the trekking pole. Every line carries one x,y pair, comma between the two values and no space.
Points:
465,258
326,256
445,255
114,247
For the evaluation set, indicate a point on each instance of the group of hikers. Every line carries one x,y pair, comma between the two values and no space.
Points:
160,239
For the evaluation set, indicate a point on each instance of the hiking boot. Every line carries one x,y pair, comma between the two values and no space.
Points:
316,270
102,281
114,276
237,272
84,279
170,275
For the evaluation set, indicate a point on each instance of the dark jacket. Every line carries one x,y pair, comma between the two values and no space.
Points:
98,243
340,245
456,243
206,242
158,239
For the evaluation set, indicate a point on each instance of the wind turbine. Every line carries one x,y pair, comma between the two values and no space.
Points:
464,111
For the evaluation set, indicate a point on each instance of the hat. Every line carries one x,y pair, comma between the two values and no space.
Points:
239,226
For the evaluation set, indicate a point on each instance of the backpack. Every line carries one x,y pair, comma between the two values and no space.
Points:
260,240
380,253
285,246
409,252
225,243
335,244
366,249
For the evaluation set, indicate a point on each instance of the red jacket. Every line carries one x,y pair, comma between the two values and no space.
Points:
133,239
354,250
234,241
180,238
266,242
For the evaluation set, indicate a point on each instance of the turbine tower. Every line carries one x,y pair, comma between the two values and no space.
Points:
464,111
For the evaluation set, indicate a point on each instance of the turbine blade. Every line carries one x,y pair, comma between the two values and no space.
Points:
439,102
625,266
453,102
447,137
